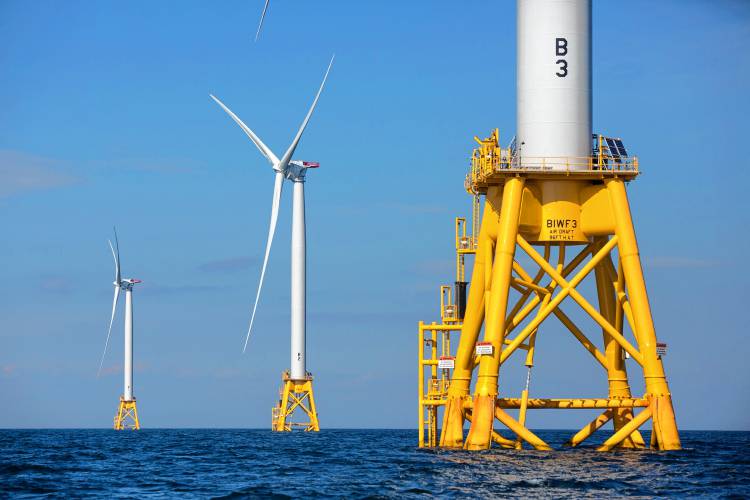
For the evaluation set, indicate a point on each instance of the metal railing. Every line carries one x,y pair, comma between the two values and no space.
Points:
484,164
570,164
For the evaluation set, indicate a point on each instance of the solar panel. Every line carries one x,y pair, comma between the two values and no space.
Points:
613,150
621,148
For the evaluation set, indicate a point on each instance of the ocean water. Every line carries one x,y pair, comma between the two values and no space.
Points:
201,463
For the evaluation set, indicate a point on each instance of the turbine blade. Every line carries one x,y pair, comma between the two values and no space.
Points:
109,332
289,152
256,140
278,183
116,256
262,16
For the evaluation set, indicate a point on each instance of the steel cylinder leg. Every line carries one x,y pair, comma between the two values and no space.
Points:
452,431
617,375
657,389
483,411
314,425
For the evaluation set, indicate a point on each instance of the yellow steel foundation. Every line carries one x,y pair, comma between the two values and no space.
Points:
578,209
127,416
295,395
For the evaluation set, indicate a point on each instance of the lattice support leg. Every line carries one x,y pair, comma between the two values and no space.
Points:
297,396
127,416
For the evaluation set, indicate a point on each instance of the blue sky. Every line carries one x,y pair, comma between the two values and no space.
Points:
105,119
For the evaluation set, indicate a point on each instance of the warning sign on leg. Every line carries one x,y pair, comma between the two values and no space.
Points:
446,362
661,349
484,348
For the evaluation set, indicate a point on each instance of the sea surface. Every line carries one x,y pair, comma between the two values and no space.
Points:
238,463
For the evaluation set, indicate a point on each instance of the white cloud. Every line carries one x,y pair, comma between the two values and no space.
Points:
185,289
161,165
416,208
228,265
55,284
20,172
677,262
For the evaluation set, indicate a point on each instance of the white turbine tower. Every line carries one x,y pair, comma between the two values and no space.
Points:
297,383
127,413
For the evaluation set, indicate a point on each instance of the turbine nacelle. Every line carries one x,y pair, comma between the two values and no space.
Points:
127,283
297,168
305,164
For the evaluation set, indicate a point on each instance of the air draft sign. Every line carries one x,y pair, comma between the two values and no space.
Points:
446,362
483,348
661,349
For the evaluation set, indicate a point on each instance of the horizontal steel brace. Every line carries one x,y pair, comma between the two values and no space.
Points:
556,404
573,403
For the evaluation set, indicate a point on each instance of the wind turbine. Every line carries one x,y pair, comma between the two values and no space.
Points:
297,382
127,413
